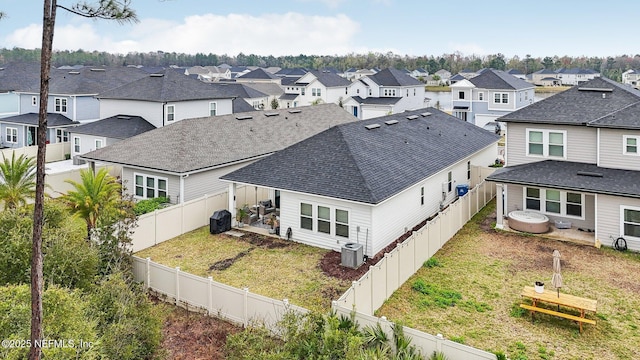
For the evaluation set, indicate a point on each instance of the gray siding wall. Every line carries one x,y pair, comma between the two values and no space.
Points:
524,98
87,109
612,150
208,182
71,105
26,104
511,105
581,143
609,220
9,104
128,181
150,111
87,143
3,134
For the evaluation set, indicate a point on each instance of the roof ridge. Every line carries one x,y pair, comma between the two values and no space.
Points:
614,112
367,186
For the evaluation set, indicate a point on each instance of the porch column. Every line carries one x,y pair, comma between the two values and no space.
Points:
232,203
499,206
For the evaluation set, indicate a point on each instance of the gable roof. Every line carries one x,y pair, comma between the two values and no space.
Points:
240,105
170,85
295,72
53,120
20,76
240,90
499,80
377,100
258,74
202,143
597,102
394,77
330,79
545,71
115,127
267,88
351,162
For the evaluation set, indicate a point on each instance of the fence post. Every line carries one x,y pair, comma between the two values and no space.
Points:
210,296
177,285
355,295
439,340
147,278
245,307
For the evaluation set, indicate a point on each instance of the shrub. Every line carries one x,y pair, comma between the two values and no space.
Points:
149,205
432,262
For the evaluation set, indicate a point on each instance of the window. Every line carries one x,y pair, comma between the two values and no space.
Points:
306,216
468,170
554,202
505,98
149,187
256,105
76,144
480,96
630,145
630,222
369,92
60,105
98,144
500,98
302,91
171,112
414,92
342,223
422,195
34,101
546,143
213,109
12,135
62,135
407,92
324,220
389,92
316,92
461,95
449,181
346,90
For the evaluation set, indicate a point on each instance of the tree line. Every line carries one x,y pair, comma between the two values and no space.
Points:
611,67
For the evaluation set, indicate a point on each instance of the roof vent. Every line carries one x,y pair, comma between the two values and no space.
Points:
124,117
372,126
244,117
595,89
412,117
268,114
156,75
391,122
74,72
590,173
425,114
99,70
604,95
295,111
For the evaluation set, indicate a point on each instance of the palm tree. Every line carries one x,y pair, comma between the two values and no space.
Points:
18,177
93,196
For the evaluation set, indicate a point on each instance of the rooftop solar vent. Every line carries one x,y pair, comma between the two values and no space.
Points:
295,111
425,114
124,117
412,117
268,114
156,75
391,122
590,173
100,70
372,126
595,89
74,72
244,117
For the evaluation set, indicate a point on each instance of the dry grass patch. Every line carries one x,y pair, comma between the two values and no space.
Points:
267,266
484,271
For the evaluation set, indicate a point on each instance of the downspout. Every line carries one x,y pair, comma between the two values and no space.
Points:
181,194
164,106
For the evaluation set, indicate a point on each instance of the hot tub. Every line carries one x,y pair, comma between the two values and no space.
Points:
528,221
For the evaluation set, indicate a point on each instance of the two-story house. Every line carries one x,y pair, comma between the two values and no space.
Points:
575,157
389,91
576,76
316,87
631,77
545,77
488,96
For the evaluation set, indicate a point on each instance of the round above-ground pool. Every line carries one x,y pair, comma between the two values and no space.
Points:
528,221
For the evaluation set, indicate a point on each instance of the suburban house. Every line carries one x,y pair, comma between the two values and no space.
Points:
209,73
631,77
575,76
389,91
444,76
184,160
167,97
575,158
517,73
490,95
258,76
369,181
101,133
316,87
14,77
21,130
419,73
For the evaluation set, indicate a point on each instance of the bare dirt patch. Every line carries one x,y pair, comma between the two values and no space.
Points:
254,239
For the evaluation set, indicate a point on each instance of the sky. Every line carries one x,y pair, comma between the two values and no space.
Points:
339,27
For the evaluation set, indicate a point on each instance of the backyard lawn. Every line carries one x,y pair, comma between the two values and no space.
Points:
470,292
267,266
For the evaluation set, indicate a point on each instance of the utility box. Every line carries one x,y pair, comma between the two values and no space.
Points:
352,255
462,190
220,222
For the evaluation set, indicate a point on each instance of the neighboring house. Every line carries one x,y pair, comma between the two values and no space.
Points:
209,73
167,97
258,76
21,130
397,92
455,78
368,182
430,81
360,73
468,73
576,76
105,132
184,160
318,87
419,73
517,73
349,74
444,76
631,77
257,99
13,77
545,77
488,96
575,157
272,90
291,72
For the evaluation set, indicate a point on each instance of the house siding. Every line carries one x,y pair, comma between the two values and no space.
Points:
87,109
359,216
10,104
581,143
150,111
208,182
87,143
609,220
612,150
173,182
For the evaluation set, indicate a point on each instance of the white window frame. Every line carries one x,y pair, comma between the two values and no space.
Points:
461,95
98,143
314,219
306,216
170,116
60,105
626,138
76,144
499,98
145,187
545,143
622,222
421,195
302,91
34,101
563,202
450,181
11,135
213,108
62,135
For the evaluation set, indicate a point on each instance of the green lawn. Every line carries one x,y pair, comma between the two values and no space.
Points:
277,268
470,293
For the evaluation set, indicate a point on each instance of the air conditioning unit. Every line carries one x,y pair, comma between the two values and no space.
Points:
352,255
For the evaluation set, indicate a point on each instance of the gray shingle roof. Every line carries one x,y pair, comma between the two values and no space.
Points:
597,102
171,85
377,100
330,79
115,127
288,96
258,74
499,80
268,88
393,77
571,176
53,120
20,76
202,143
353,163
88,80
240,106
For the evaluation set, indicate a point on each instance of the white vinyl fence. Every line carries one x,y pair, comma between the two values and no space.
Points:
55,152
194,292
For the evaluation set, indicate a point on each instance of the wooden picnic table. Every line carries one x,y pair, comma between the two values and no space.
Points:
550,296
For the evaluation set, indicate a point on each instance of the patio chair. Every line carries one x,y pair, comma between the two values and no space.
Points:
266,207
